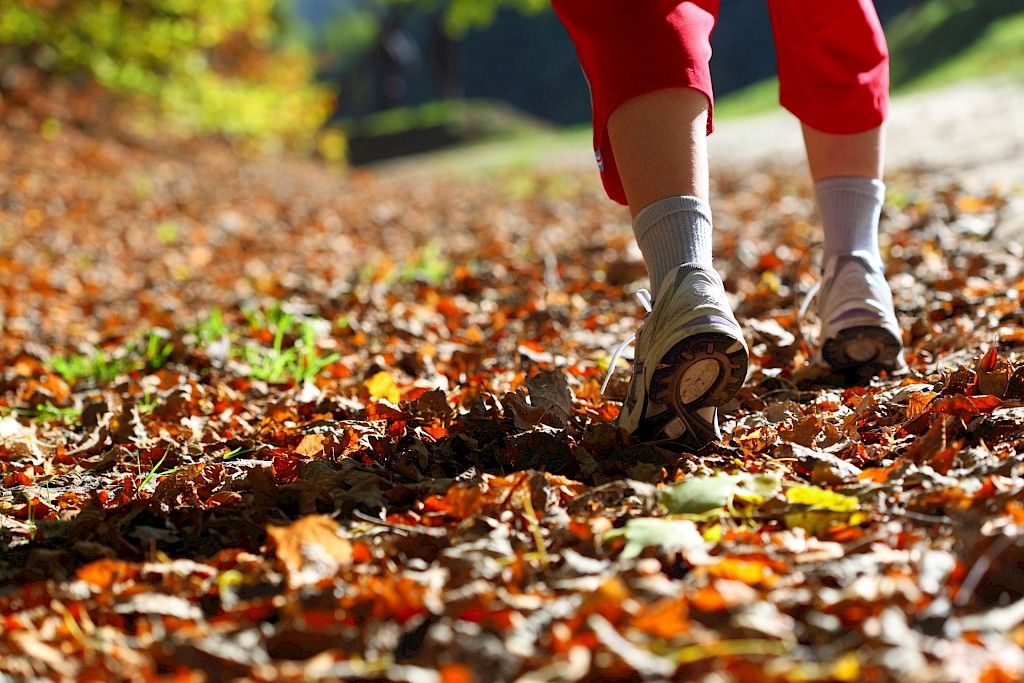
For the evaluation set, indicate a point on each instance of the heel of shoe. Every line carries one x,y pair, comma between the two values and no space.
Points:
696,376
703,370
860,353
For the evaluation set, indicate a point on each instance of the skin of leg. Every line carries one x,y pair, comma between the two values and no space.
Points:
660,145
858,154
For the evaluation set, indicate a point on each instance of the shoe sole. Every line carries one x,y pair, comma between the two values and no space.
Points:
860,353
696,376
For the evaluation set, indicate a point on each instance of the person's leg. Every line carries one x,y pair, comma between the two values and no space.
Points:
660,145
847,174
833,75
631,49
647,65
832,155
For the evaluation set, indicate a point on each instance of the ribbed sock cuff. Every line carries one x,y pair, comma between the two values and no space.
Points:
671,232
850,208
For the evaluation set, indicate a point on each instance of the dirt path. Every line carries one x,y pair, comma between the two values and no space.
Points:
973,130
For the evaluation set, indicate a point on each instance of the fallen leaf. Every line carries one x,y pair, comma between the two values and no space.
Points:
669,535
311,549
820,498
382,387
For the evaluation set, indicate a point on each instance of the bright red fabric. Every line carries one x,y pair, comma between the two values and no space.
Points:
832,57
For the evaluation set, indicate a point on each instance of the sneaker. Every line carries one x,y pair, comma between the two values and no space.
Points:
690,358
859,331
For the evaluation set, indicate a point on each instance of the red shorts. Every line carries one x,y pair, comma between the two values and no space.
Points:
832,57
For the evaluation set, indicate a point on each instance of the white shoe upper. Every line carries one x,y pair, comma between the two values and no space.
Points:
854,293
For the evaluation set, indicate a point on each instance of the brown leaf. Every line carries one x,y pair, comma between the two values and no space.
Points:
937,442
918,402
311,445
825,468
311,549
964,407
550,392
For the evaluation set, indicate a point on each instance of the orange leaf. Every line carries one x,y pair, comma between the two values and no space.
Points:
666,618
878,475
311,549
311,445
102,574
988,361
970,204
965,407
918,403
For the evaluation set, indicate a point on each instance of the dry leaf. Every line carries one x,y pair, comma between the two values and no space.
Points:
311,549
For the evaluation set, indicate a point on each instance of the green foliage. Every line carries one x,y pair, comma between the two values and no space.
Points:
102,366
48,412
465,14
359,25
667,534
471,119
158,350
212,328
153,471
347,36
208,66
431,266
700,495
300,361
943,41
291,356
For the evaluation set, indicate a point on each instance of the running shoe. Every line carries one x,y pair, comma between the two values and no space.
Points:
860,336
690,358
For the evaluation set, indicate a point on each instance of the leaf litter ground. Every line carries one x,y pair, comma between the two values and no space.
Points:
260,420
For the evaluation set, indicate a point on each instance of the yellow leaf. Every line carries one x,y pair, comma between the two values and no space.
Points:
381,386
750,572
846,668
815,521
820,498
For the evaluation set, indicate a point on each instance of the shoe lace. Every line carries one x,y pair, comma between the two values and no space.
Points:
645,300
808,298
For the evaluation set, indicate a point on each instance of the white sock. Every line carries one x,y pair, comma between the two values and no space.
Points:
671,232
850,207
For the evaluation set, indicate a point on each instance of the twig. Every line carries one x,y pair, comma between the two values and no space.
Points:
422,530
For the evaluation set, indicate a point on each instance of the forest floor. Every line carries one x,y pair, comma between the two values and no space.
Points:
263,420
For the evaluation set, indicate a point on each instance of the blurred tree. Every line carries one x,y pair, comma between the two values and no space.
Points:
206,66
462,15
394,54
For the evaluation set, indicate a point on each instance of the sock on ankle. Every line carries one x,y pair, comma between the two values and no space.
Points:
671,232
850,208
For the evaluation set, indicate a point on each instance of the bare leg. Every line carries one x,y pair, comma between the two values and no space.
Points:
858,155
859,330
660,145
